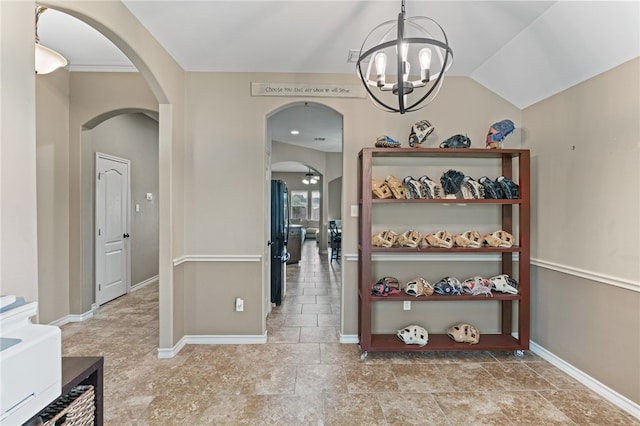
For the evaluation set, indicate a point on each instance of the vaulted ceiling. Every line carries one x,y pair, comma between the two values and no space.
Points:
524,51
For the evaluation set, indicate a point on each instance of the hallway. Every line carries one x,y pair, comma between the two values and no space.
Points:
304,376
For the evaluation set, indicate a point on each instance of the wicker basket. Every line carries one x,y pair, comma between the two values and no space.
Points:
76,408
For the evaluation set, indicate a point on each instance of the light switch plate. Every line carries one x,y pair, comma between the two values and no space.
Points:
354,211
406,305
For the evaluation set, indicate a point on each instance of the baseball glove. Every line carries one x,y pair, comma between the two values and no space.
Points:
498,132
409,239
419,132
469,239
380,189
464,333
491,189
413,335
395,186
510,189
387,142
418,287
441,239
448,286
504,283
456,141
451,181
430,189
499,239
477,285
386,286
385,238
471,189
412,188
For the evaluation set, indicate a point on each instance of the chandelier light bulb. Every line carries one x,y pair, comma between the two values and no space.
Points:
381,65
425,64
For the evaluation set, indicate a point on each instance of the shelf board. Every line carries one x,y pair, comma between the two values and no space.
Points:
496,296
444,152
442,342
446,201
427,250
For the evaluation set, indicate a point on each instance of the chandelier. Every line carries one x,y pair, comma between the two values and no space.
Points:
310,178
410,44
47,60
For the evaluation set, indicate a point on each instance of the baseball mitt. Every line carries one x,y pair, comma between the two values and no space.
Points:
430,189
380,189
395,186
491,189
385,238
412,188
498,132
471,189
387,142
451,181
419,132
469,239
464,333
409,239
499,239
510,189
418,287
456,141
441,239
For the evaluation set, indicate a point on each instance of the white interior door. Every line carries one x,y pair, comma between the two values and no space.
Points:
112,228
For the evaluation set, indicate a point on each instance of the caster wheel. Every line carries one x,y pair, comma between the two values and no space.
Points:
519,353
363,356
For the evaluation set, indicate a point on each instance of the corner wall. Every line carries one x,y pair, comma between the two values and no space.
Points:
585,151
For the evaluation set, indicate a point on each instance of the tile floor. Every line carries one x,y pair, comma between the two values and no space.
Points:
304,376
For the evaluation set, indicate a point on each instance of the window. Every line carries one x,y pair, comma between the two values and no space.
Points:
299,204
305,205
315,205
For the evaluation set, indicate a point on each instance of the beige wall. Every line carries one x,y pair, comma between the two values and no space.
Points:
585,226
18,221
52,139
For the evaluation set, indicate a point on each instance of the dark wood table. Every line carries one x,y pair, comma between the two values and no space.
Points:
84,371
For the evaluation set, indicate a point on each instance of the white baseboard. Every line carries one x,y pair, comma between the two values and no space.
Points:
349,338
601,389
74,318
144,283
211,340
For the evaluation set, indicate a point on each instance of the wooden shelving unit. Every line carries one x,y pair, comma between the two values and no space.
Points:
505,340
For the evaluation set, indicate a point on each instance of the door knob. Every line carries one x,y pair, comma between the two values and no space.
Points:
125,235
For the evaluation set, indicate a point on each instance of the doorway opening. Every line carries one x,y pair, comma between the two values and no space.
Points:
304,151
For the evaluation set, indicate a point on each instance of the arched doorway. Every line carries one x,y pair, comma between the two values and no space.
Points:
306,138
164,78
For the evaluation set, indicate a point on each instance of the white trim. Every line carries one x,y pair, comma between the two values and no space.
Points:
349,338
74,318
590,275
102,68
601,389
144,283
433,257
211,340
218,258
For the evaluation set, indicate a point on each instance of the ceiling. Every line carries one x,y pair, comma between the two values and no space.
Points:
524,51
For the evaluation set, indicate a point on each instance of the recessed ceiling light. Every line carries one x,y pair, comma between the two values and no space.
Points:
295,132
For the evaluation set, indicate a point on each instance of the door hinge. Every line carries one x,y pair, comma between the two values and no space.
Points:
99,287
99,175
99,232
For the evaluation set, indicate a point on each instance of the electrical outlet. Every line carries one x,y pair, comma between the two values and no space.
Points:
407,305
239,304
